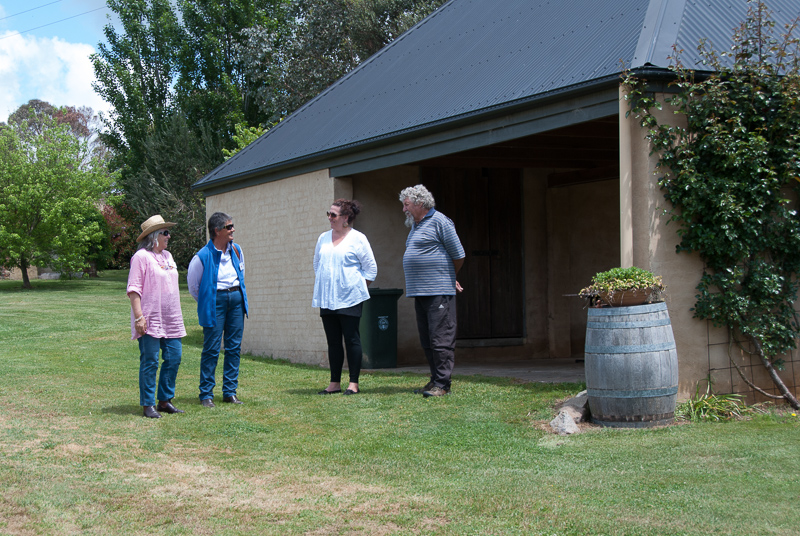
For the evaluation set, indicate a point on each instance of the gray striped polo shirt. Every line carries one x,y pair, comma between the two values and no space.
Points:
431,247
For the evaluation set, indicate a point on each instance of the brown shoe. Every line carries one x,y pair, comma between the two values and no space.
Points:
208,403
150,412
167,407
435,391
421,390
232,400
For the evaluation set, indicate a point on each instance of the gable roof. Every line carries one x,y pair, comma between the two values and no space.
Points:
476,72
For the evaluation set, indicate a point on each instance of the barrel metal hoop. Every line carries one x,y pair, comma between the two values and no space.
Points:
628,393
631,349
629,325
632,310
634,421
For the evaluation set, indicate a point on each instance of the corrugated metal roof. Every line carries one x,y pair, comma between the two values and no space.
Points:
476,55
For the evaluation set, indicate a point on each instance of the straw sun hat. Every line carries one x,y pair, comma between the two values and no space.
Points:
154,223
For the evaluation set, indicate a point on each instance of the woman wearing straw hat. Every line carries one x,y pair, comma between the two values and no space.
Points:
156,317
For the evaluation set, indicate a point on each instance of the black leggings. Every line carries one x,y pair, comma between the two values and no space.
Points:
338,327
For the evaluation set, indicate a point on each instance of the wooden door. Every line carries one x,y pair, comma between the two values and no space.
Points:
486,207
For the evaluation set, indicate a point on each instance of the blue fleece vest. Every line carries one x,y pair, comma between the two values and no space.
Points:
207,294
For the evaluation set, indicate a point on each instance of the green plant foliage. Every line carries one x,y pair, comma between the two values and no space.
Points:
620,279
732,177
212,86
709,406
176,158
325,40
50,184
176,91
244,136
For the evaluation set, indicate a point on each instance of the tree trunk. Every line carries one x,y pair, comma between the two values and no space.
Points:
23,265
787,395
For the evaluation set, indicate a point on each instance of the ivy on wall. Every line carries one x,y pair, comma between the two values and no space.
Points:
732,177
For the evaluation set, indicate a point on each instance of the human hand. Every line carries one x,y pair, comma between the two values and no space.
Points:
459,288
141,325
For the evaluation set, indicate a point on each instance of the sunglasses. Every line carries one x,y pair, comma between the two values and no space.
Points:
332,215
165,232
229,227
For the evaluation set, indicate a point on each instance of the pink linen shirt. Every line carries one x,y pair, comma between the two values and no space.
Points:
154,277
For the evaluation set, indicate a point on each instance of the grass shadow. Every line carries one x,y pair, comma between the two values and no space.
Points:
125,409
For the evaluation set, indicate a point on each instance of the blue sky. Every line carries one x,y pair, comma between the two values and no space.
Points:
44,52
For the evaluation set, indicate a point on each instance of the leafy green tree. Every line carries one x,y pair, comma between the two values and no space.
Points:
212,86
83,122
326,40
732,177
175,158
176,92
135,73
50,188
101,251
244,136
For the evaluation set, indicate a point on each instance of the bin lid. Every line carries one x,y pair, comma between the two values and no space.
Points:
385,291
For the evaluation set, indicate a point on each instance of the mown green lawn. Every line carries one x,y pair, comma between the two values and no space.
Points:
76,457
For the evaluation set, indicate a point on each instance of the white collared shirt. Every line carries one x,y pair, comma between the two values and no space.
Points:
226,276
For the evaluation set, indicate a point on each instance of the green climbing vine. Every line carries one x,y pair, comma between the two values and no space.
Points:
732,179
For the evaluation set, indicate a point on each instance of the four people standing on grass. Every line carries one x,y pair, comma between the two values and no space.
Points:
216,281
344,267
156,317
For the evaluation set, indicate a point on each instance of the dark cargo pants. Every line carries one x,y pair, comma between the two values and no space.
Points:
436,322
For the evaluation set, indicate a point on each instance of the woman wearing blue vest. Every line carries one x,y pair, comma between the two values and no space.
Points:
216,281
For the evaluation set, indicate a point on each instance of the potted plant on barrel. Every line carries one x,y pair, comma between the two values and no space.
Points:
631,362
622,287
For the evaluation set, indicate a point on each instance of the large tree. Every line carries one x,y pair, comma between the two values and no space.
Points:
177,93
135,73
176,156
82,122
51,185
326,40
212,87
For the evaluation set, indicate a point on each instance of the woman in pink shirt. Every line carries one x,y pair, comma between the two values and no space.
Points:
156,318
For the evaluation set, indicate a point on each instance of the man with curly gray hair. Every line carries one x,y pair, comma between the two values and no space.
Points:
433,257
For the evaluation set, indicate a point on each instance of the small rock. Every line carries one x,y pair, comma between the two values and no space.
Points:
563,424
578,407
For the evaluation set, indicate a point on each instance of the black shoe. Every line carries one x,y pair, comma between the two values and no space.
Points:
208,403
436,391
150,412
351,392
326,392
167,407
232,400
421,390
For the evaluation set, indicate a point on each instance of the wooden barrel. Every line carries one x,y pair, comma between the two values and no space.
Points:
631,366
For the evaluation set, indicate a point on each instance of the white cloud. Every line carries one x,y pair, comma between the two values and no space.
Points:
48,69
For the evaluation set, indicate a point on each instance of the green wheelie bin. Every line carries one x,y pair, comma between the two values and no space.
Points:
379,328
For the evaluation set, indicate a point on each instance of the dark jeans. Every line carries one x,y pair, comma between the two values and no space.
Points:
340,327
230,325
436,322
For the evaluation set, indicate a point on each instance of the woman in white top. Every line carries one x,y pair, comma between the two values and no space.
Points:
344,267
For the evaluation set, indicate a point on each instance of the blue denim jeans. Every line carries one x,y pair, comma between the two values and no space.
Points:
230,326
171,350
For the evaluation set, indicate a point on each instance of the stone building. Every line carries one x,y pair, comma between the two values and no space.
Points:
511,112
